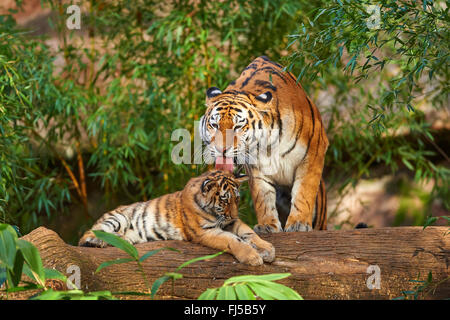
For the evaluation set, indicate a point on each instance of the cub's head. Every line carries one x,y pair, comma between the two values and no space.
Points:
232,124
217,193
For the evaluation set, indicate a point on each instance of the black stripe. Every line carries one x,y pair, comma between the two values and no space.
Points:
292,77
297,136
251,66
266,181
280,124
144,229
272,70
140,226
276,73
265,84
318,145
236,92
248,79
159,236
312,114
158,212
118,223
111,224
312,133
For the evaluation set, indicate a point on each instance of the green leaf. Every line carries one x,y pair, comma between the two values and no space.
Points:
253,278
54,274
49,295
33,260
131,293
243,292
429,221
199,259
208,294
15,275
221,294
286,292
8,239
157,284
174,275
265,292
117,242
112,262
230,294
152,252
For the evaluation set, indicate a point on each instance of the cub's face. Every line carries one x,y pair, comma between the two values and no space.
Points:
217,193
230,124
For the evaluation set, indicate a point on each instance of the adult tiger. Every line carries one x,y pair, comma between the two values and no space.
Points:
266,109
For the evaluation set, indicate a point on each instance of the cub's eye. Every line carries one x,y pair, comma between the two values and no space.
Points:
214,126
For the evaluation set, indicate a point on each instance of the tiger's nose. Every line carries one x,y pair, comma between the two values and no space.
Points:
222,151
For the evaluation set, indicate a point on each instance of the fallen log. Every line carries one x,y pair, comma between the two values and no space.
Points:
324,264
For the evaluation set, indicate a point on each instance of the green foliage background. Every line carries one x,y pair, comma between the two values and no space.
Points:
111,94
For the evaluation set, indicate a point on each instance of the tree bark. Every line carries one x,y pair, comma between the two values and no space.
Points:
324,264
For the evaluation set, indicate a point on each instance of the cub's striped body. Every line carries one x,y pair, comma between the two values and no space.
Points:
266,108
205,212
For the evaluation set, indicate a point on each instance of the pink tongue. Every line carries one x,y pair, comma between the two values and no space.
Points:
223,163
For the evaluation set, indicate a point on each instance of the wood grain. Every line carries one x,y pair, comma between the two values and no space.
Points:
323,264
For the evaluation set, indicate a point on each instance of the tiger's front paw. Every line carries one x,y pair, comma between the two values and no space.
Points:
249,256
266,250
267,228
297,226
89,240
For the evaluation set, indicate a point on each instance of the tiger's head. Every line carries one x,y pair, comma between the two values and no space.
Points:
232,125
217,193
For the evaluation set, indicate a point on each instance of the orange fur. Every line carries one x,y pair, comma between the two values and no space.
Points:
205,212
270,98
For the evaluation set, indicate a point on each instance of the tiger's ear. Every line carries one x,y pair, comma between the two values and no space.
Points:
206,186
264,97
212,92
240,178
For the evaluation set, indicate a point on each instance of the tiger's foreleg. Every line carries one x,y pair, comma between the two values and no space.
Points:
264,201
304,193
264,248
226,241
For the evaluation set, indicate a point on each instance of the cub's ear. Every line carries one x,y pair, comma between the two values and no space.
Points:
264,97
240,178
212,92
206,186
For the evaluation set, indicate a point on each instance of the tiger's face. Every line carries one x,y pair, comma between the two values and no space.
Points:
230,126
218,194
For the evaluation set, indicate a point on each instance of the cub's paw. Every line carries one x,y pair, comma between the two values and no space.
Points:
253,259
249,256
89,240
266,252
297,226
266,228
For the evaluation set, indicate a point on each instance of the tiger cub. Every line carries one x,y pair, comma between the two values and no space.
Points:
204,212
